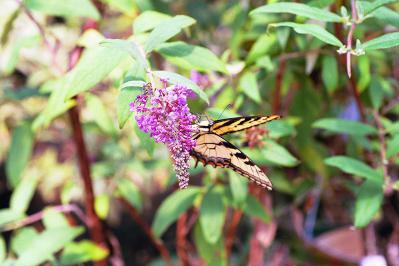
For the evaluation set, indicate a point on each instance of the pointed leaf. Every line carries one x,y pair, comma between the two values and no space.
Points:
354,167
212,214
19,153
345,126
298,9
312,29
166,30
385,41
174,78
172,207
368,202
148,20
76,253
249,86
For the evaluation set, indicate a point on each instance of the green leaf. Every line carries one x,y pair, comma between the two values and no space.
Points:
354,167
56,105
386,15
393,146
94,65
54,219
191,57
3,249
8,216
19,152
212,213
345,126
249,86
23,193
261,47
364,73
213,254
130,47
66,8
125,97
146,141
102,205
166,30
368,202
385,41
45,244
13,56
280,128
172,207
174,78
23,239
298,9
238,187
376,92
148,20
312,29
100,114
329,73
254,208
130,192
83,251
277,154
369,7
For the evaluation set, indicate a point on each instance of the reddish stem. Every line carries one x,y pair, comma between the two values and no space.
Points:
181,242
277,92
231,231
93,222
148,231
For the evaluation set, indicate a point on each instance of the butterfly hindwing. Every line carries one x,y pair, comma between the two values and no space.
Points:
229,125
212,149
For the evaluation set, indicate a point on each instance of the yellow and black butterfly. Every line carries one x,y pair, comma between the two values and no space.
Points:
211,148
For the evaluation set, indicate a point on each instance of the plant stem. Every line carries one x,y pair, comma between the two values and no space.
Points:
231,231
93,222
148,231
181,242
350,37
277,91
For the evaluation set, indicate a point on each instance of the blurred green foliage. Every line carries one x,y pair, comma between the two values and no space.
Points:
332,159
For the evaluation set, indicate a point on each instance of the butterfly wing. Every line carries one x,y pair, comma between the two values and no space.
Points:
229,125
214,150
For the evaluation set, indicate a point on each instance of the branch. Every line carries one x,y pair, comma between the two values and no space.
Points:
39,215
148,231
181,242
231,231
349,39
277,90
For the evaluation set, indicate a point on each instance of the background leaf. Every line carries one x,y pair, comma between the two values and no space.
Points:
19,153
172,207
166,30
344,126
212,212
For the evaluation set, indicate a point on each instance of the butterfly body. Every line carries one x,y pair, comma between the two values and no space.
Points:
211,148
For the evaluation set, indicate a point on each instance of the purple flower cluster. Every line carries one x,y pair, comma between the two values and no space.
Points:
164,113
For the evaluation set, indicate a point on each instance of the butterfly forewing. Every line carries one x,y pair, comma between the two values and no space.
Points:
230,125
214,150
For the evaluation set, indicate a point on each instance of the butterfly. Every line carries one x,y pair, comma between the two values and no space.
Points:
211,148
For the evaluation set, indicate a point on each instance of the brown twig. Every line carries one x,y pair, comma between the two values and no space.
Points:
94,223
148,231
39,215
277,91
231,231
181,242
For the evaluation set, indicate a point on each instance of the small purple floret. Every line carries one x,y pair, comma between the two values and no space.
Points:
164,114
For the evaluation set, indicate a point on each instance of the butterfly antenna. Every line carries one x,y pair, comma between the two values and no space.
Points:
227,107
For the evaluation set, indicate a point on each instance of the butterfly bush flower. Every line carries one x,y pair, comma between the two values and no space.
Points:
164,114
